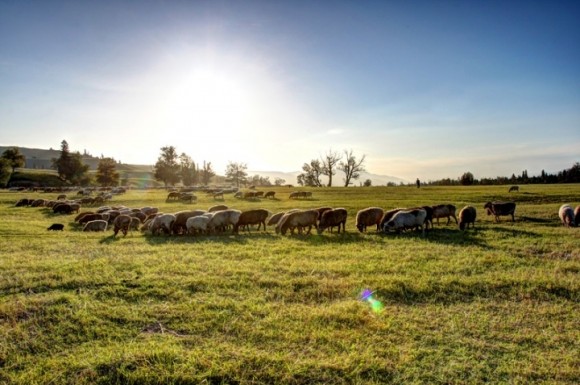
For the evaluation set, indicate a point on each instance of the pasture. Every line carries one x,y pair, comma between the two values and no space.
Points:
498,304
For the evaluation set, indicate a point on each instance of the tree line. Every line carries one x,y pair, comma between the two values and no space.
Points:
172,168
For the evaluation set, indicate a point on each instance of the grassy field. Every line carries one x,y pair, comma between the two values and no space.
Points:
496,305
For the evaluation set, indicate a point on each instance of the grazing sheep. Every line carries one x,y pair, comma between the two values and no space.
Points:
444,211
239,195
222,219
62,208
259,194
371,216
322,210
213,209
139,215
467,215
75,207
96,225
80,215
252,217
163,222
387,216
122,222
331,218
429,218
218,194
24,202
38,203
295,195
135,223
270,194
298,219
149,210
274,219
56,227
566,214
406,219
514,188
173,195
180,224
198,224
577,215
187,197
61,197
500,208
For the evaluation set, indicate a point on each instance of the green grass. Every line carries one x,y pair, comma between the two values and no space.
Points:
494,305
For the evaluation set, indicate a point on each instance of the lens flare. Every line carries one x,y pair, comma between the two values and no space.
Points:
376,305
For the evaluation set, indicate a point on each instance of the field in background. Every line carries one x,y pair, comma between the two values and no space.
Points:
498,304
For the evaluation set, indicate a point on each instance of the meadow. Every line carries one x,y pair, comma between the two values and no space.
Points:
498,304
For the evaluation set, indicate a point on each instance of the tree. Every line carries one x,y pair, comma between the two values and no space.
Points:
206,173
189,174
166,169
311,174
236,173
70,166
107,174
368,183
258,180
279,181
4,171
14,157
467,179
329,161
351,167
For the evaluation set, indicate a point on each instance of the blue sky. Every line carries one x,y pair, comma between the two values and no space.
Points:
426,89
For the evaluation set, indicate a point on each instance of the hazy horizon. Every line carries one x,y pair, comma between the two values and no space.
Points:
423,89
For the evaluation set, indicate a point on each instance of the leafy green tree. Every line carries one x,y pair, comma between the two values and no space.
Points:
189,173
167,169
279,181
206,173
236,173
467,179
107,174
368,183
14,157
70,166
4,171
351,167
311,174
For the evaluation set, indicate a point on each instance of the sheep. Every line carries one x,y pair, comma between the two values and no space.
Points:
429,219
80,215
179,226
387,216
61,197
322,210
24,202
135,223
259,194
444,211
577,215
62,208
270,194
239,195
96,225
404,219
198,224
223,219
274,219
187,197
139,215
173,195
149,210
218,194
369,217
75,207
56,227
298,219
467,215
38,203
215,208
252,217
122,222
566,214
163,222
514,188
500,208
331,218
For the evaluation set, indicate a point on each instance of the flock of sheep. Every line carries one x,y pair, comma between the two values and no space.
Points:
220,218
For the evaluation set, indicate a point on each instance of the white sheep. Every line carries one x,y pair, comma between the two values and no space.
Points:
223,219
406,219
198,224
566,214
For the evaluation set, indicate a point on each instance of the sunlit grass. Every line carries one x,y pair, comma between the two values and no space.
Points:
498,304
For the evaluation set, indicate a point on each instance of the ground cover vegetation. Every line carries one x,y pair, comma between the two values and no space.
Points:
498,304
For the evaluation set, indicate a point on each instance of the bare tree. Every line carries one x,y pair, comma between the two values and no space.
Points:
329,161
351,167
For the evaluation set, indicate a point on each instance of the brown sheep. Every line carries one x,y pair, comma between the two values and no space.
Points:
91,217
252,217
387,216
444,211
500,208
122,223
577,215
467,215
215,208
270,194
274,219
96,225
180,224
80,215
300,220
371,216
331,218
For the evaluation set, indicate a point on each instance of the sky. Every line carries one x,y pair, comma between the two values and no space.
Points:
422,89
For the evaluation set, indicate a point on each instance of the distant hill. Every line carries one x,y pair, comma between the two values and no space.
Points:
337,180
41,159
